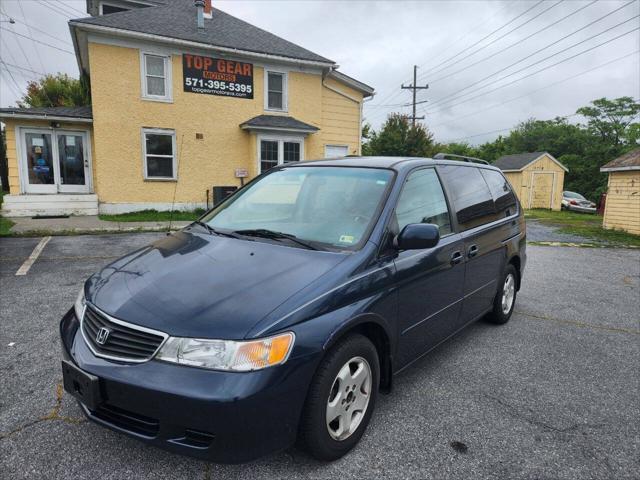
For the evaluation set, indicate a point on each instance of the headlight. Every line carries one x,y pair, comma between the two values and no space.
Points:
80,303
229,355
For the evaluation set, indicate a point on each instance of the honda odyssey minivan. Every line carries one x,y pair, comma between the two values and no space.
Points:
281,313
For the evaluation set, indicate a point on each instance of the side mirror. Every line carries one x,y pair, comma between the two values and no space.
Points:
417,236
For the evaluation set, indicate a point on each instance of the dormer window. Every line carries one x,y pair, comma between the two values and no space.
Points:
275,91
156,77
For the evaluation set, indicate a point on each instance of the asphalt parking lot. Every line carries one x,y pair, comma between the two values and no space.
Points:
552,394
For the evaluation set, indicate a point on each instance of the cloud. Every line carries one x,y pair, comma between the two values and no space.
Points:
379,42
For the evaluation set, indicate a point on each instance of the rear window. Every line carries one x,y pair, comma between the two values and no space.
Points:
470,194
505,200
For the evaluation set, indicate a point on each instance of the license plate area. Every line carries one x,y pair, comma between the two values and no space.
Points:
82,385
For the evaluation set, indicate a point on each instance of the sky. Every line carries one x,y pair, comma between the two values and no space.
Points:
489,64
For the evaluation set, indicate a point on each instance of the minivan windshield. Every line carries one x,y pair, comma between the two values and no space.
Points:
333,206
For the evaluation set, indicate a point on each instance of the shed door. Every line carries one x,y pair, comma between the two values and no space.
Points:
541,193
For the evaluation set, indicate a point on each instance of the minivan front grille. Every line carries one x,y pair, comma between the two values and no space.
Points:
118,340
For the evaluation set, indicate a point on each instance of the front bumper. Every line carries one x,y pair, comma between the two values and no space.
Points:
226,417
578,208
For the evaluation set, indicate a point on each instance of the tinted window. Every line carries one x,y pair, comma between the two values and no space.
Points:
422,201
503,197
470,195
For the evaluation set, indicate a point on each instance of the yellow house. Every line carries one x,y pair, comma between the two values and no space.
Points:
536,177
622,209
184,99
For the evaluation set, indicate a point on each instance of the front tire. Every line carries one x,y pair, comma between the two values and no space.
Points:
505,299
341,399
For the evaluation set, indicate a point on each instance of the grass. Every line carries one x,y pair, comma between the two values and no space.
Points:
153,216
5,224
583,224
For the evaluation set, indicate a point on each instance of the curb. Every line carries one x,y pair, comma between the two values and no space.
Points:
582,245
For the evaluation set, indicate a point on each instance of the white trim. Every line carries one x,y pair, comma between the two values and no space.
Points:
335,145
620,169
340,92
159,131
188,43
11,116
280,139
285,88
283,130
168,81
553,185
55,188
117,208
351,82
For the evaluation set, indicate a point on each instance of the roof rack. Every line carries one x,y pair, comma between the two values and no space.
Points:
451,156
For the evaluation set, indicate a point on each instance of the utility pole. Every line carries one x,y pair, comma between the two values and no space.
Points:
415,88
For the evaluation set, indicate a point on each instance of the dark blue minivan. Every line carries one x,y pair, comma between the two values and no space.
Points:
282,312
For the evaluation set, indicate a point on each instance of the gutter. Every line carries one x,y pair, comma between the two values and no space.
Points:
193,44
620,169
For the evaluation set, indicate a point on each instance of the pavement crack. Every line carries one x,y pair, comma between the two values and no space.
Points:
531,420
575,323
53,415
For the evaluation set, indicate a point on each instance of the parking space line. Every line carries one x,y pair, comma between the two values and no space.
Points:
24,268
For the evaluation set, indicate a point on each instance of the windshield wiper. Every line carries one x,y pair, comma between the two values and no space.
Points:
213,231
265,233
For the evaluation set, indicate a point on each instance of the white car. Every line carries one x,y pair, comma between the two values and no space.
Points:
577,203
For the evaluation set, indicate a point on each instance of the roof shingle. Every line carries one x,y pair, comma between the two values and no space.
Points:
279,122
177,19
70,112
628,161
516,161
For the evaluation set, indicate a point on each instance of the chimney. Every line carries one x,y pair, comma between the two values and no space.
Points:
208,9
200,9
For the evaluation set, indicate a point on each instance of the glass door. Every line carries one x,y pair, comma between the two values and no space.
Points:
39,162
55,161
73,163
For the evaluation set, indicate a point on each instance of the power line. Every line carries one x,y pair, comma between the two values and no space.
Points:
452,96
395,94
483,110
55,9
11,75
31,35
500,37
39,41
66,42
540,70
519,42
70,8
484,38
23,68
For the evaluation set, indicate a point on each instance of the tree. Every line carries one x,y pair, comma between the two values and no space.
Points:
611,119
398,137
58,90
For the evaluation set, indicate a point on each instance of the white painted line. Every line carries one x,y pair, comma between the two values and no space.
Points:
24,268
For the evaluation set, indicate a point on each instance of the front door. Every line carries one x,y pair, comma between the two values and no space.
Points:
430,282
55,161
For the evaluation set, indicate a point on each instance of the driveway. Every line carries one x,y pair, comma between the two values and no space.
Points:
552,394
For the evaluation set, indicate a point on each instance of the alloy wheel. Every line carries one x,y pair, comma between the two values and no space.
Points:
349,398
508,293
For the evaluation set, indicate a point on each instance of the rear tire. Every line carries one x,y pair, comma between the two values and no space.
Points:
341,399
505,299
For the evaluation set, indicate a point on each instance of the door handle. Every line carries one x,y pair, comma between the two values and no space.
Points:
456,257
473,251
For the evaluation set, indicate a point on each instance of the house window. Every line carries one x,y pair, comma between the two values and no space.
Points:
159,154
276,151
156,77
276,91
